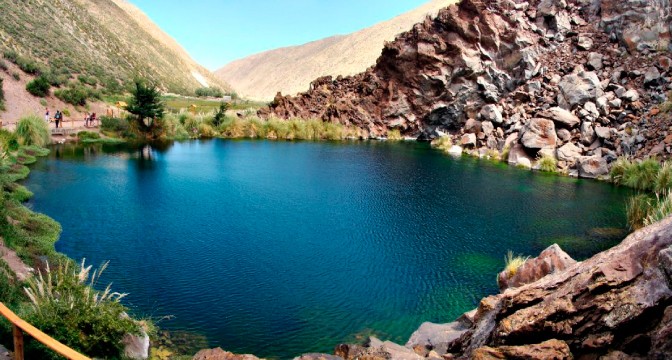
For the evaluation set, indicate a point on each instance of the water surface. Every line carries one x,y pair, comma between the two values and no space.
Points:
281,248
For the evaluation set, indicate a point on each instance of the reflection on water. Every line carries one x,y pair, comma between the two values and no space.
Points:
282,248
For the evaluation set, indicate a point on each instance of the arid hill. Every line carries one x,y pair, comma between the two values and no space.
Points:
290,70
105,40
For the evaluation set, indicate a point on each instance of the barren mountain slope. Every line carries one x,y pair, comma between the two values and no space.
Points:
106,39
290,70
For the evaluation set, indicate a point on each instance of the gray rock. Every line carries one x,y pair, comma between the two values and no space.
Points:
316,356
518,154
652,77
592,167
630,95
437,336
136,347
579,88
594,61
616,103
603,105
524,163
561,116
487,127
603,132
591,108
584,43
540,133
569,153
587,133
491,113
564,135
390,350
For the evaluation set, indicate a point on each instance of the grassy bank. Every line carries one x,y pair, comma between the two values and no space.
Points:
61,299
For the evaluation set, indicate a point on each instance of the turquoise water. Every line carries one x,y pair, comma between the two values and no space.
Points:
282,248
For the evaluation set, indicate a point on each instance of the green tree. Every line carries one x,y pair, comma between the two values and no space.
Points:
39,87
148,110
221,114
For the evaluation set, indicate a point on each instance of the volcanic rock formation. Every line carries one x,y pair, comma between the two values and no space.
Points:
598,70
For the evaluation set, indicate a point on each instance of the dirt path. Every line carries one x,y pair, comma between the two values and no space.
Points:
19,268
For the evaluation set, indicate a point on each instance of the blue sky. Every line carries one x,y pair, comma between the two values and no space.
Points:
215,32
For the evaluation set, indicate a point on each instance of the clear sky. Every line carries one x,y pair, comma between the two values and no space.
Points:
215,32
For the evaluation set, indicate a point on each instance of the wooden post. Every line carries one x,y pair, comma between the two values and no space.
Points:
18,343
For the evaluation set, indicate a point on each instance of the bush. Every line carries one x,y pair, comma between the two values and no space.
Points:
220,115
39,87
443,143
638,209
2,96
548,163
394,135
75,96
65,304
16,76
88,80
3,65
29,66
114,124
638,175
209,92
513,263
31,130
88,135
663,183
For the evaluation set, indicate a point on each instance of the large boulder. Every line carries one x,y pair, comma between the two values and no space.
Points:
540,134
316,356
569,153
549,261
518,156
639,25
578,88
587,133
592,167
561,117
438,337
491,113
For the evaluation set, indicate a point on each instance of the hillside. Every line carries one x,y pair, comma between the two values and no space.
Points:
108,41
290,70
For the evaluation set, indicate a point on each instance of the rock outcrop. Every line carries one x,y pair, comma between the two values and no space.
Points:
219,354
599,70
551,260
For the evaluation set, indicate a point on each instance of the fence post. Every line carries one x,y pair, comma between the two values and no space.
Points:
18,342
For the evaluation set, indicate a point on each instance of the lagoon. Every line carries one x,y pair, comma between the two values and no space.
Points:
283,248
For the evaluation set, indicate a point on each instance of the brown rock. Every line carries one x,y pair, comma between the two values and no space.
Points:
551,260
540,134
548,350
219,354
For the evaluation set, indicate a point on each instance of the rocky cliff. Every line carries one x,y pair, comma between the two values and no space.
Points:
578,80
615,305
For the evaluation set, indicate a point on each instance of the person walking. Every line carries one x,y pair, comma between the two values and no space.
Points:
46,116
57,118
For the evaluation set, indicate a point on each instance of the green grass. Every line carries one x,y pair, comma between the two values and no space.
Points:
176,104
548,164
639,175
394,135
31,130
443,143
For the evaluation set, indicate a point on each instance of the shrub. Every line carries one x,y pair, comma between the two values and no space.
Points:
638,209
31,130
642,175
8,140
10,55
3,65
443,143
29,66
114,124
618,169
88,80
221,114
513,263
2,96
394,135
206,130
39,87
209,92
65,304
88,135
663,183
548,163
75,95
661,209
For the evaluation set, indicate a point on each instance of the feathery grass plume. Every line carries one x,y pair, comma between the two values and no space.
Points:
65,303
548,163
443,143
31,130
513,263
664,179
505,153
661,210
638,209
618,170
642,175
206,130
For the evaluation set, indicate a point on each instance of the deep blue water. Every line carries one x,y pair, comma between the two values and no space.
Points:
281,248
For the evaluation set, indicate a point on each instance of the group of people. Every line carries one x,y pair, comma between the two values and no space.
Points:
89,119
58,118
